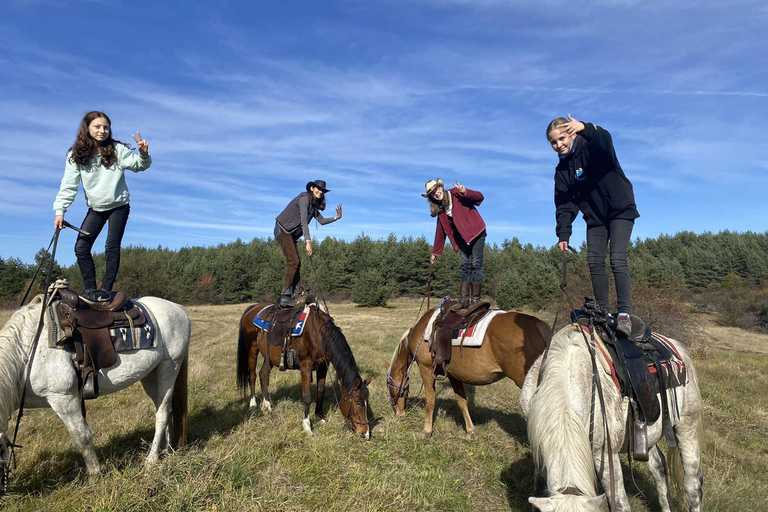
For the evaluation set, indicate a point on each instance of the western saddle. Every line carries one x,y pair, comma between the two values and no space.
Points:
282,320
644,370
87,328
450,319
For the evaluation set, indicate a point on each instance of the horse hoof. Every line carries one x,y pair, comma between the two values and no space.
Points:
307,426
469,436
427,435
266,406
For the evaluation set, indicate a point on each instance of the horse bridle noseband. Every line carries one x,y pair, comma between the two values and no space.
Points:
348,416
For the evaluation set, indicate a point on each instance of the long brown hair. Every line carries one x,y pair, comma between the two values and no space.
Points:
435,206
84,148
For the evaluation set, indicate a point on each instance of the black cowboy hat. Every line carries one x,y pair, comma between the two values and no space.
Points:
319,184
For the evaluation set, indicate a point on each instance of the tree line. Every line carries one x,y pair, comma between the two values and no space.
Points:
372,271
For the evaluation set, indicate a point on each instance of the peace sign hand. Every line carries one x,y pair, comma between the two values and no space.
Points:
461,188
141,143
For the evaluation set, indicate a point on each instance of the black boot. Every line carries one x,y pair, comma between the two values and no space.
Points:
286,298
464,302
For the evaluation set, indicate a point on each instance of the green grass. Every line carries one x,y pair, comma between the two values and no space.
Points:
265,462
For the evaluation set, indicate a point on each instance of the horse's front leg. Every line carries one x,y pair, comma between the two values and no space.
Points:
67,407
428,379
461,399
306,394
266,369
253,359
322,371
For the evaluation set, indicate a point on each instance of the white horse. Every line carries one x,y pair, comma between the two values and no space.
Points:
558,412
53,381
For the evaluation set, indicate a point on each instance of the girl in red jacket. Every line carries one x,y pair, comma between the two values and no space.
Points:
459,220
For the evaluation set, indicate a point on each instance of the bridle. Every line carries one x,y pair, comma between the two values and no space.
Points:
351,422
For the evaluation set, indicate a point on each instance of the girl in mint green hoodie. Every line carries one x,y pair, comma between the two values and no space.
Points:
99,161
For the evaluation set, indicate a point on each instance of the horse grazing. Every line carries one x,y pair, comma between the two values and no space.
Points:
558,405
320,343
512,343
53,379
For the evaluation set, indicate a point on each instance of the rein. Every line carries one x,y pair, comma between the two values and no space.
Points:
317,282
31,358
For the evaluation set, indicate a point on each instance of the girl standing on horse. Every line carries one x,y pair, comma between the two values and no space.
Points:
459,220
292,224
588,177
99,161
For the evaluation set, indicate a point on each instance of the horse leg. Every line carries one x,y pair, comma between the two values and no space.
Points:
622,501
461,399
67,407
657,464
253,359
322,371
306,395
164,377
687,435
149,383
266,369
428,379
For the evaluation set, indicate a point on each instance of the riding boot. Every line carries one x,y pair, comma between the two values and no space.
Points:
476,287
286,298
464,302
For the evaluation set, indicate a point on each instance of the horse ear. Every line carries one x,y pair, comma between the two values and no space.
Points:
367,381
542,504
386,365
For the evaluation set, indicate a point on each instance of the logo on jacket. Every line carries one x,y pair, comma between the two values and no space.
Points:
580,174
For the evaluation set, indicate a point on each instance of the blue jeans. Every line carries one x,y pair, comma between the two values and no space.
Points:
93,223
471,258
618,232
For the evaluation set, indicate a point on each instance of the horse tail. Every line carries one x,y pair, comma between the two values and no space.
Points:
243,349
179,407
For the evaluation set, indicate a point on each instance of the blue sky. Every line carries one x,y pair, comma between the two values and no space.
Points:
244,102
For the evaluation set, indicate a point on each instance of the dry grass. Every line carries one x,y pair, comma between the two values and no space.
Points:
237,462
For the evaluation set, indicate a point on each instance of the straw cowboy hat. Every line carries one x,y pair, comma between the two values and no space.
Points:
318,184
431,185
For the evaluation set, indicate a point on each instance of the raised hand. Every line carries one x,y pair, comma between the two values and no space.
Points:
141,143
338,212
572,127
461,188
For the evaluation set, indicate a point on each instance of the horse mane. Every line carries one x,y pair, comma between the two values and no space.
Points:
21,326
337,349
399,348
559,439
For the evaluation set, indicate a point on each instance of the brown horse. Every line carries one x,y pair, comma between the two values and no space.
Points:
321,342
512,343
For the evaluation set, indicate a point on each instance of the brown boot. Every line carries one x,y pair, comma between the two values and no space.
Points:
476,287
464,302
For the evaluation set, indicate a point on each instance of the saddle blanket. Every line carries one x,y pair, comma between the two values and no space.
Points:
123,339
298,329
475,334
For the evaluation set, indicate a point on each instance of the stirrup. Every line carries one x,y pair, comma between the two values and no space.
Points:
282,367
438,372
640,441
90,386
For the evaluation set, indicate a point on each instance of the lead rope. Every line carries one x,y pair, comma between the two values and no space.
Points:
33,350
427,296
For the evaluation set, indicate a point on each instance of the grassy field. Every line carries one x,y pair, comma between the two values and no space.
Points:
241,462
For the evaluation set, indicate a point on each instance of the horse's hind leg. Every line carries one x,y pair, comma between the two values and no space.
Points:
159,386
67,407
687,435
657,464
622,501
428,379
461,399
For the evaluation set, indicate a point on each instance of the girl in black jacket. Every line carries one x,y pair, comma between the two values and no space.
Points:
589,178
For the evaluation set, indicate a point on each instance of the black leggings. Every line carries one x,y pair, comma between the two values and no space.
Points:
93,223
618,232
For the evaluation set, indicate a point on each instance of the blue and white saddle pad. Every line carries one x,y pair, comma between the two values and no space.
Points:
298,329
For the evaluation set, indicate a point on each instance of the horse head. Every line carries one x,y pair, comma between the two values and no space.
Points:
354,406
568,503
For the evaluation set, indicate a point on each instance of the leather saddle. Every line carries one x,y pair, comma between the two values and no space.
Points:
642,365
88,328
282,321
446,323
